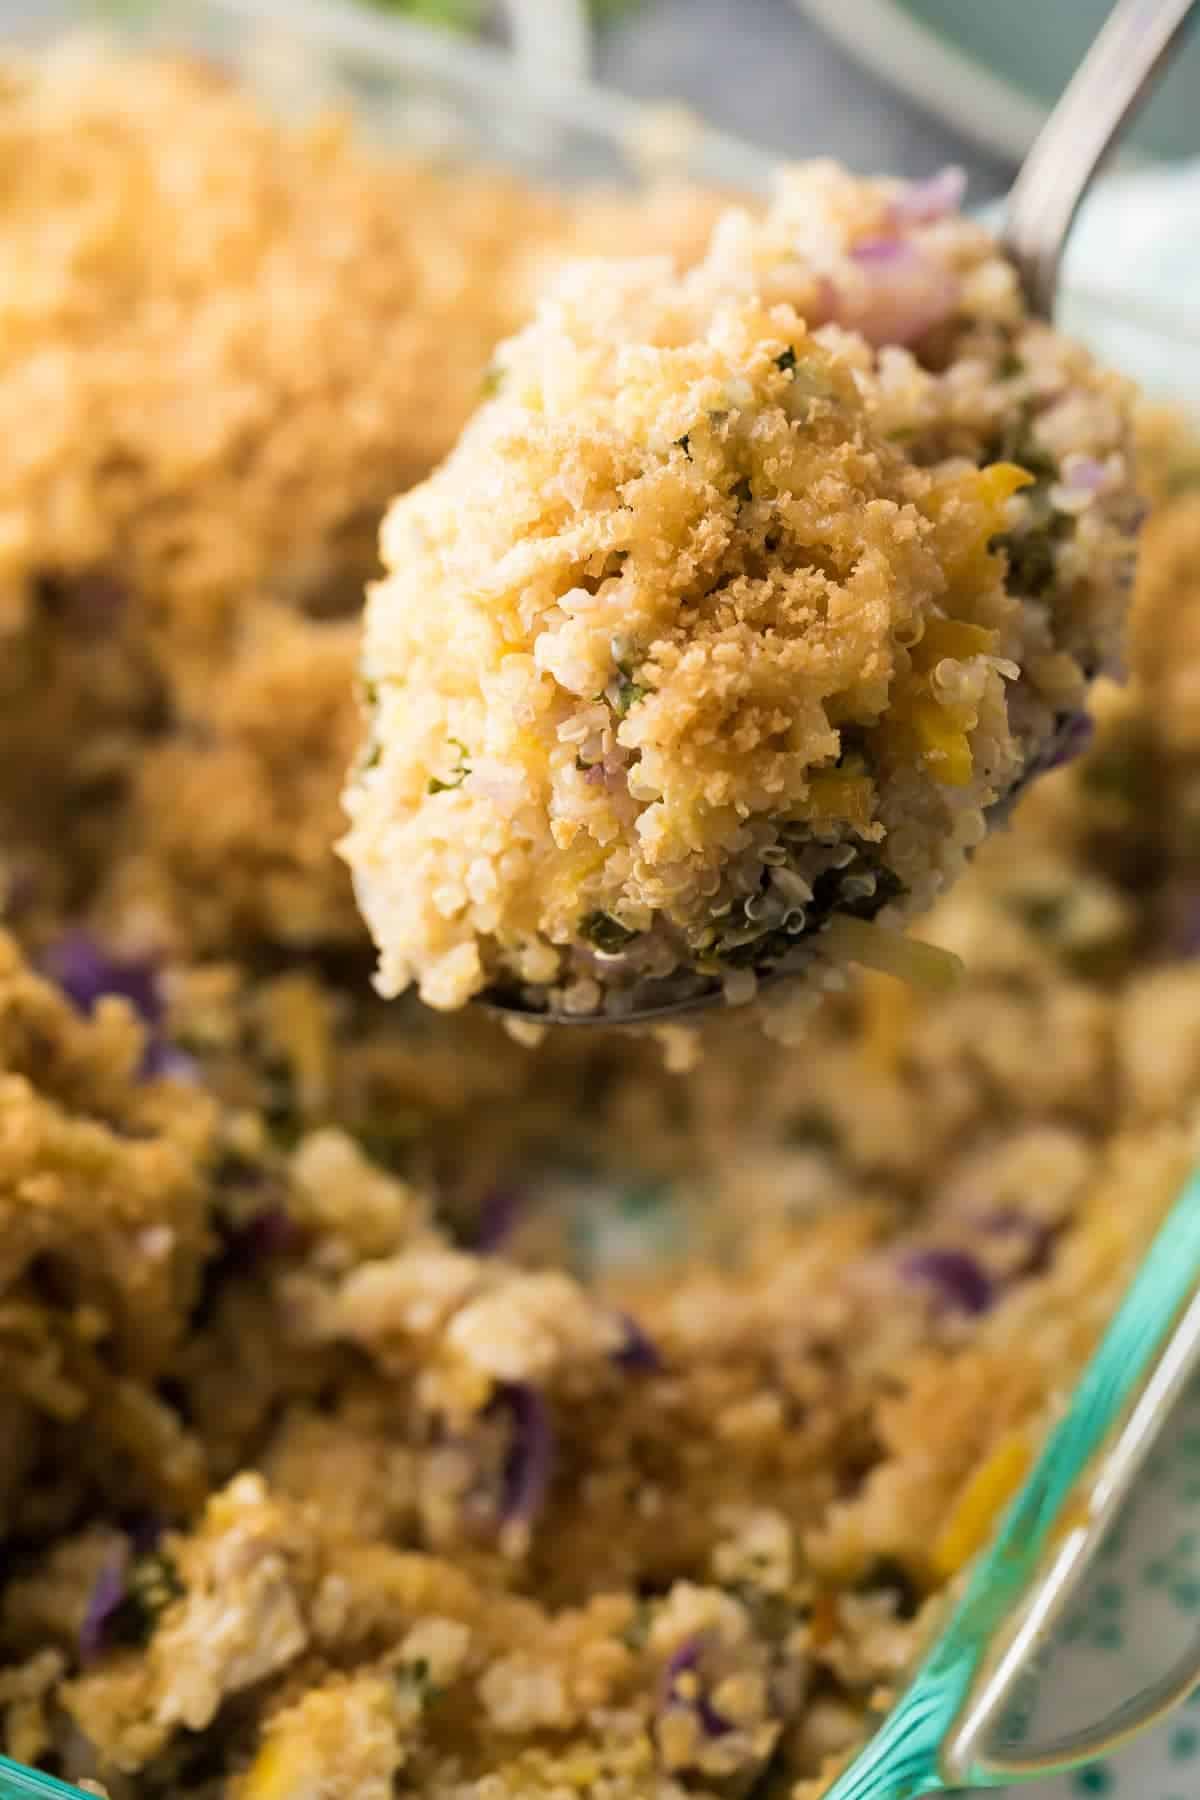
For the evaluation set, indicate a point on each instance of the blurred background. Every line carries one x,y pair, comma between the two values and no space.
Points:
901,86
766,71
905,85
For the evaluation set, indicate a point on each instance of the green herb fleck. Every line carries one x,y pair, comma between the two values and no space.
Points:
415,1678
1032,566
605,932
888,887
787,362
279,1106
1016,443
387,1138
461,770
641,1199
773,1615
1117,772
736,950
1045,914
637,1633
813,1130
151,1584
1011,365
232,1169
493,380
1183,478
1102,961
628,694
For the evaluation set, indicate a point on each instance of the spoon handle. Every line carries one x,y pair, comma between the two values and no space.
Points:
1109,85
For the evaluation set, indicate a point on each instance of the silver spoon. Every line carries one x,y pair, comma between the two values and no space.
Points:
1115,77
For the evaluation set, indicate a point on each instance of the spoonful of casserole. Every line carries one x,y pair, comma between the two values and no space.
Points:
747,602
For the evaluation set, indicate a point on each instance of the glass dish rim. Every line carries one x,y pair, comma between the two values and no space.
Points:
929,1738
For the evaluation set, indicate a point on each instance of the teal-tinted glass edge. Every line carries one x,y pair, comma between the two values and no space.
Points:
19,1783
902,1758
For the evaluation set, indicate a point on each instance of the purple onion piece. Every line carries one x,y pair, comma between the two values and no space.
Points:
955,1277
164,1061
1083,474
924,202
529,1463
685,1661
104,1601
86,971
883,252
638,1352
905,292
270,1233
499,1215
715,1724
1072,737
682,1661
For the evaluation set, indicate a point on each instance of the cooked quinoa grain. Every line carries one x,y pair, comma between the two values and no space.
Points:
737,608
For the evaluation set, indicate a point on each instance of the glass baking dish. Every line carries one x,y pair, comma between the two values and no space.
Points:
954,1724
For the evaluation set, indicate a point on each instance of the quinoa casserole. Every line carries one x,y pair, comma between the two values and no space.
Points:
390,1409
